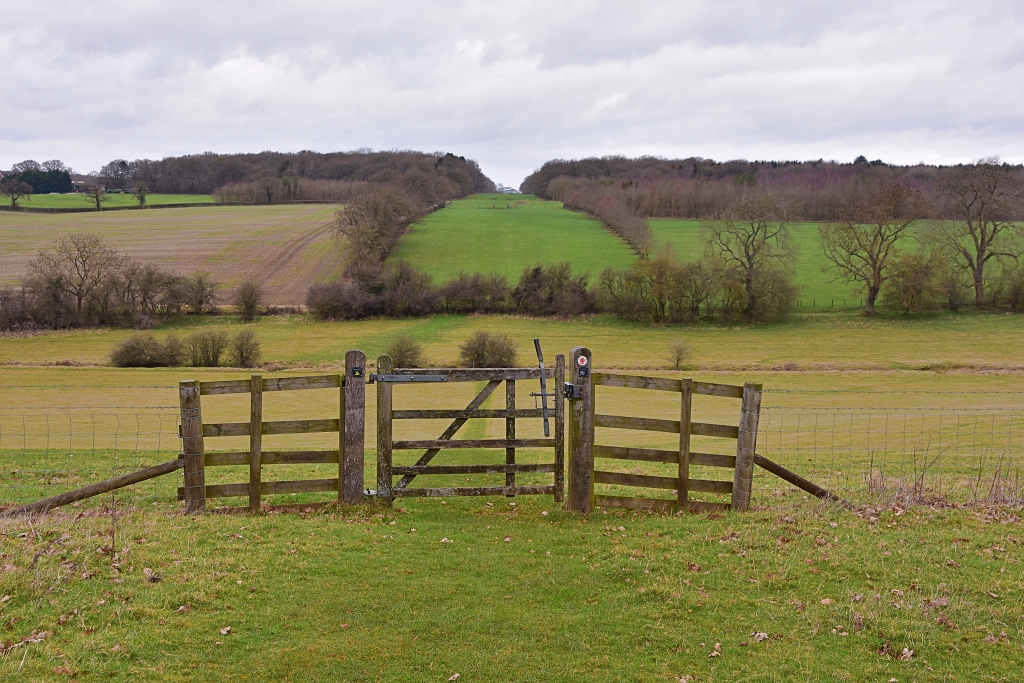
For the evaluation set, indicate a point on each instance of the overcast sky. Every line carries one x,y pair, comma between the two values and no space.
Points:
513,84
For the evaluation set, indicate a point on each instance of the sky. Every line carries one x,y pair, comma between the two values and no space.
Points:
514,84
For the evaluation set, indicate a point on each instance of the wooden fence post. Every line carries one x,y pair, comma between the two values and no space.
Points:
353,429
685,418
384,430
559,428
510,433
746,445
192,449
255,440
581,434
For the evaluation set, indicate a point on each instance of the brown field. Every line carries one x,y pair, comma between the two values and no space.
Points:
287,248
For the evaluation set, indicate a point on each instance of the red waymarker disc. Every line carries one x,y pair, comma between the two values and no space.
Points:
582,360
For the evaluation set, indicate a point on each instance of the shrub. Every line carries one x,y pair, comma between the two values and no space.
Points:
199,291
338,301
143,350
245,350
248,300
405,352
486,350
205,348
679,353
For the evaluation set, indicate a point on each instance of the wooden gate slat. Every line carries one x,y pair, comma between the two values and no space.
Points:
474,491
496,468
454,427
439,444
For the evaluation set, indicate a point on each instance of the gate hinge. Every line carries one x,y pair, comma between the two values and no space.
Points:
573,391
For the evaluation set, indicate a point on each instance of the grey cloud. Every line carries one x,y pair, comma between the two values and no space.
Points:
514,84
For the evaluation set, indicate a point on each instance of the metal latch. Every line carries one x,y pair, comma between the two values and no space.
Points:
408,378
573,391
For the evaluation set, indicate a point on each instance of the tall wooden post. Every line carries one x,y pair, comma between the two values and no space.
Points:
746,445
559,428
510,432
384,367
255,440
685,418
581,434
192,449
353,429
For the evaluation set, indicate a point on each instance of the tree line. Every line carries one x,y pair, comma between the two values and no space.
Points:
945,235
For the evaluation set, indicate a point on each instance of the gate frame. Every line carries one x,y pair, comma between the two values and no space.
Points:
386,445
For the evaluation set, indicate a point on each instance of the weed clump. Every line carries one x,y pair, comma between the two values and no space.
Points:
144,350
486,350
405,352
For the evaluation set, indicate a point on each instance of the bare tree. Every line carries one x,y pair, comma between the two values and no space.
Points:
14,189
77,265
753,241
986,198
248,299
95,195
862,244
141,192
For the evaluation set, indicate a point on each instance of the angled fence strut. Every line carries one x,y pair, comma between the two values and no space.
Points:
799,482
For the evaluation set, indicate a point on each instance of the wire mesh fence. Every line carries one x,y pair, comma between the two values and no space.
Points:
866,452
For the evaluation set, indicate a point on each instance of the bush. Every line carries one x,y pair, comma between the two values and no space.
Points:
143,350
338,301
405,352
485,350
245,350
679,353
205,348
248,300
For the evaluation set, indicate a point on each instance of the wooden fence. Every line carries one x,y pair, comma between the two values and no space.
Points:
349,426
585,451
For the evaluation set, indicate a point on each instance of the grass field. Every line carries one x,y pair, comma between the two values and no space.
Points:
77,201
816,287
287,247
481,235
498,589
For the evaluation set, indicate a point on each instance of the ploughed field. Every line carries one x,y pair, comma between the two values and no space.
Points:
287,248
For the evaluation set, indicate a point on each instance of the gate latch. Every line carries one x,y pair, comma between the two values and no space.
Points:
573,391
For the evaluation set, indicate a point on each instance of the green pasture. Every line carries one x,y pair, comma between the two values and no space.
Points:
76,201
493,589
505,234
817,288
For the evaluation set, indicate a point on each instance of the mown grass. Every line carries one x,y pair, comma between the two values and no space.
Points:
372,594
505,234
76,201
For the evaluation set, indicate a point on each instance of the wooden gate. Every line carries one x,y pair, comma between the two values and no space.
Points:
349,425
584,451
386,379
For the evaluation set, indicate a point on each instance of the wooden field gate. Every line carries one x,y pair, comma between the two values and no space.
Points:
386,379
349,425
584,451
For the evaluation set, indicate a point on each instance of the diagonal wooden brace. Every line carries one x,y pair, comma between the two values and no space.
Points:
454,427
